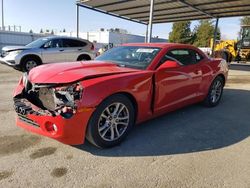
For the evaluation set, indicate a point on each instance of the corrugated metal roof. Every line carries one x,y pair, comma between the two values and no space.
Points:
170,10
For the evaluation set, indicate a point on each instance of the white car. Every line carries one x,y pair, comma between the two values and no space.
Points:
47,50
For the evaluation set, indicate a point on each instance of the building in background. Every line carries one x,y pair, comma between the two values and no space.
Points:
111,37
101,38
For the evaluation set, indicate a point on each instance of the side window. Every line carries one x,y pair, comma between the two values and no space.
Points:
184,56
48,44
67,43
198,57
55,43
73,43
81,43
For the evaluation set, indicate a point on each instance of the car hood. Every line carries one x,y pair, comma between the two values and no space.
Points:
73,71
14,48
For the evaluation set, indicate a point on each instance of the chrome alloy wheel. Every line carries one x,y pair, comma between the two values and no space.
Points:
113,121
30,64
216,91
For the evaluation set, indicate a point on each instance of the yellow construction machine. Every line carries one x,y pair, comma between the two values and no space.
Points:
233,50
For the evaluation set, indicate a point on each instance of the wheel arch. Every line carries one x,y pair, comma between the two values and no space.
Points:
84,55
206,101
209,83
133,100
222,76
31,56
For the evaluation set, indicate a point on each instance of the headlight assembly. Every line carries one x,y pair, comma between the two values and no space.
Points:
13,53
63,100
25,79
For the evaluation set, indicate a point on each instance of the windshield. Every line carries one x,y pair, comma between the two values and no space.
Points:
138,57
37,43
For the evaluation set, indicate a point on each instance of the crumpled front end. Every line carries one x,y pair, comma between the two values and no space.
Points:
52,110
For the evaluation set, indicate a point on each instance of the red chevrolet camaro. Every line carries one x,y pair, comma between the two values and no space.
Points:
103,99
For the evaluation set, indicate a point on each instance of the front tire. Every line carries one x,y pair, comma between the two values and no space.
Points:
215,92
111,122
29,63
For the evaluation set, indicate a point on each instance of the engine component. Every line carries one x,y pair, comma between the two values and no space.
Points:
62,99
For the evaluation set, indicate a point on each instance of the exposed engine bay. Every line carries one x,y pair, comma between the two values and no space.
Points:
51,99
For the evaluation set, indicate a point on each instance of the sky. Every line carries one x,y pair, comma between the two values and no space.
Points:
60,14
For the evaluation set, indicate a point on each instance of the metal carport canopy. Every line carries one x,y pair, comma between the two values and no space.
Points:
164,11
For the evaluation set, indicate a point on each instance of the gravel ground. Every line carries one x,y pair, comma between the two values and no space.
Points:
192,147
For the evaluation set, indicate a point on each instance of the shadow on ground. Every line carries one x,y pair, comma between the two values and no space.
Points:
240,67
192,129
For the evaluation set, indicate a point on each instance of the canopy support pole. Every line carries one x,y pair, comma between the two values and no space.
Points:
146,35
3,28
215,35
77,20
151,20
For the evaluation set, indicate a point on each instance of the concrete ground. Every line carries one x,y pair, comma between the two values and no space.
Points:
192,147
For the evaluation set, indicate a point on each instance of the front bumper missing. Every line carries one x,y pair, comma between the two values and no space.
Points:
69,131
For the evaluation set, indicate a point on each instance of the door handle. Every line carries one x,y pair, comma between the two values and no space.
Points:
79,49
61,50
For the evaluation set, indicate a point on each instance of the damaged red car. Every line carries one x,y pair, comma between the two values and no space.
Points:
102,100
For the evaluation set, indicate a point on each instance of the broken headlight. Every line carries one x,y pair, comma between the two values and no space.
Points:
25,79
62,100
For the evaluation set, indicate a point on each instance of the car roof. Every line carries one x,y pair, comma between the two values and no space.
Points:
65,37
158,45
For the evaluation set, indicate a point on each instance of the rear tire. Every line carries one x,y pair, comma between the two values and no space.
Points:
111,121
215,92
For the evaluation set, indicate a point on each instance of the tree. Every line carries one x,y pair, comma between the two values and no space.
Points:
41,31
245,20
64,30
204,32
52,32
31,31
181,32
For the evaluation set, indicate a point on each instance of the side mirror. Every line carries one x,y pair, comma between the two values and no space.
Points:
46,45
168,64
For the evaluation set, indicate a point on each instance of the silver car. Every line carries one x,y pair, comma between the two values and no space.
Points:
47,50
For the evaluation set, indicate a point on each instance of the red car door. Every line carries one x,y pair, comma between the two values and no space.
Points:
177,86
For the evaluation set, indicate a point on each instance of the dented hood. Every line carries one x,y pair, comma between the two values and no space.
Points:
74,71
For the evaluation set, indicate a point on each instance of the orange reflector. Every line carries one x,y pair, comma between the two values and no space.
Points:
51,127
84,109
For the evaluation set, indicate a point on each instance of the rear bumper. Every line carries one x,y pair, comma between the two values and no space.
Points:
69,131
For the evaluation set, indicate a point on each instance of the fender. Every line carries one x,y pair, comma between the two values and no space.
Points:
139,85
